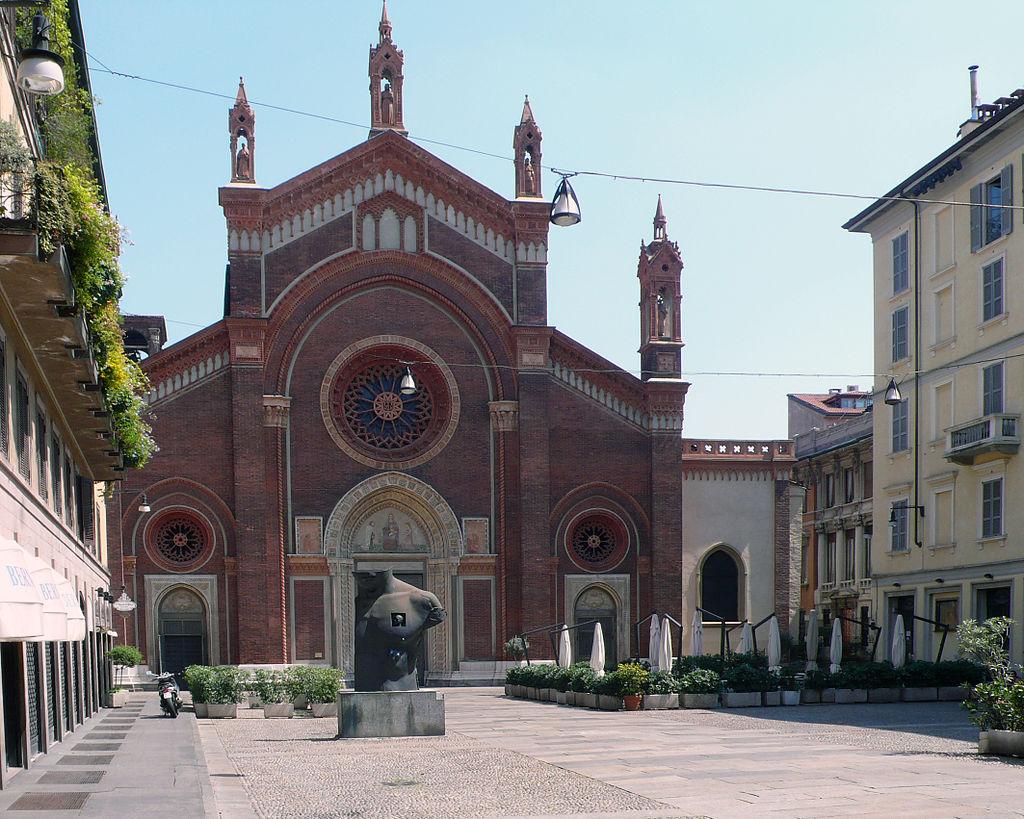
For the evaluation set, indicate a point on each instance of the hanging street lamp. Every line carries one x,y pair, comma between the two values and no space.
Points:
565,207
893,396
408,385
40,70
124,603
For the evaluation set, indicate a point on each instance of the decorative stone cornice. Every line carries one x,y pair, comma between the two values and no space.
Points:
504,415
276,410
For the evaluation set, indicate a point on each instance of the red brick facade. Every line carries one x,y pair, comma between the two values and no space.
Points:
386,248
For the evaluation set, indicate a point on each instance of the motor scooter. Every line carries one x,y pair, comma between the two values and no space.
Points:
170,701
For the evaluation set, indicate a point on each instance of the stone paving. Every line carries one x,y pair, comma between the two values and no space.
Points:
506,757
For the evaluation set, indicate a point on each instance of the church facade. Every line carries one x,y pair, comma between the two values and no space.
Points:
385,391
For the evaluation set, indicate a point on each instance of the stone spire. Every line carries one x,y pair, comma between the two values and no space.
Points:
385,23
242,127
527,112
660,223
526,140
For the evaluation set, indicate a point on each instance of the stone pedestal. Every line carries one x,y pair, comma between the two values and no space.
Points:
363,714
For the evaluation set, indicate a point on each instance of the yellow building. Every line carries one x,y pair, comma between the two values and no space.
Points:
948,254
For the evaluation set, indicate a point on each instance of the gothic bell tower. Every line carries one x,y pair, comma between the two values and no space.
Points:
526,144
386,81
242,128
659,272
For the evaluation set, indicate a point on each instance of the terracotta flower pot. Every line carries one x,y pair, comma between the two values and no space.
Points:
633,701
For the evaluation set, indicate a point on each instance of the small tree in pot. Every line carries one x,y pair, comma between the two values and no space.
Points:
322,690
227,688
199,678
632,679
121,657
269,687
701,688
996,707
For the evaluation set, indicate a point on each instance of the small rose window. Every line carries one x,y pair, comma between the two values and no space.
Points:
597,542
180,540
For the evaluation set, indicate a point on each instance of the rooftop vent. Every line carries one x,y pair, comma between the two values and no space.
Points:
852,388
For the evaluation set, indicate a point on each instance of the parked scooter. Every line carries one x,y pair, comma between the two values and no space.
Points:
170,701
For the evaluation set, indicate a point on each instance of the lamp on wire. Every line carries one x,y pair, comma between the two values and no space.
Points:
893,396
408,385
40,70
565,207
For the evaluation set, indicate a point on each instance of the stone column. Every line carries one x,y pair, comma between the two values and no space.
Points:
858,550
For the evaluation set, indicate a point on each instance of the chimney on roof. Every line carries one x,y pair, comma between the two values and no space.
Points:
852,388
975,119
834,391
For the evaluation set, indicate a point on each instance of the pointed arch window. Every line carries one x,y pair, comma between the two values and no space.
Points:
720,585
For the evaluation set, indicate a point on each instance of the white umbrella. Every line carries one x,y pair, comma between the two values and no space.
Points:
697,635
564,648
665,646
812,640
55,614
899,642
21,605
597,651
774,645
654,643
746,639
835,650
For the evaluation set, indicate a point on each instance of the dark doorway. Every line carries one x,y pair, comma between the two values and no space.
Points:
416,579
179,651
596,604
182,632
903,604
14,708
720,586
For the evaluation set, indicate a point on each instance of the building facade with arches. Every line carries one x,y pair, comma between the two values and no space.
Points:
525,480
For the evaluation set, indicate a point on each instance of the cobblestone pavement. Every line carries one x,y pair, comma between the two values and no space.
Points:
506,757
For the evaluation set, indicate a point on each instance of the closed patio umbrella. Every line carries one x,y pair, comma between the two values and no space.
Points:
697,635
899,642
746,639
811,640
55,615
665,646
835,651
21,605
654,643
597,651
774,645
564,648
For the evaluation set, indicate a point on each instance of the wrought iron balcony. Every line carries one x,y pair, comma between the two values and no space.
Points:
993,436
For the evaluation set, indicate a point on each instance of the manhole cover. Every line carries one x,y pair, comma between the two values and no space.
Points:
86,759
71,777
87,747
70,800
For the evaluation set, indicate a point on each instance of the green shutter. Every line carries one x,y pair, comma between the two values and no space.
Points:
1006,183
976,219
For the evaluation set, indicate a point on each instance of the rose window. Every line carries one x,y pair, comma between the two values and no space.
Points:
377,413
180,541
593,542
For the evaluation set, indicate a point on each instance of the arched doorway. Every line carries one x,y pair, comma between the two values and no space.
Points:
181,630
720,585
596,603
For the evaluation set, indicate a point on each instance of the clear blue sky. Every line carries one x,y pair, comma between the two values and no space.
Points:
848,97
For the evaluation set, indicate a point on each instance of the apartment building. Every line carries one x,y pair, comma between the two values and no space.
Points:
948,253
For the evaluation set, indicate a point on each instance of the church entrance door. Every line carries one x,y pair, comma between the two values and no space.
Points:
595,603
182,631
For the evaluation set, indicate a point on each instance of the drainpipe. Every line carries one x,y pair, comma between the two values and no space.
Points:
918,508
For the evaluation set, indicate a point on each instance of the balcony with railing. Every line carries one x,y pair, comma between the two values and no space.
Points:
987,438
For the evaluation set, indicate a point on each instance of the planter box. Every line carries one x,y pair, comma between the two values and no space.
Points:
790,697
660,702
561,697
883,695
544,694
217,710
1001,743
117,699
953,693
202,710
278,710
920,694
300,703
745,699
828,695
771,698
810,696
606,703
848,696
586,700
700,701
531,692
570,697
325,709
508,690
553,694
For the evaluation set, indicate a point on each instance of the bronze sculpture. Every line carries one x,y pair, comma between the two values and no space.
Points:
391,619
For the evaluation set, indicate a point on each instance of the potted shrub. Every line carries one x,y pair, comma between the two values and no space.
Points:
880,681
997,706
516,648
700,688
324,684
609,692
744,685
227,688
559,685
772,695
512,677
198,679
815,682
121,657
846,687
268,686
582,679
633,679
297,683
662,691
956,678
919,682
789,688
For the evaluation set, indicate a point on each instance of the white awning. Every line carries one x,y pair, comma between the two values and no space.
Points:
76,619
21,605
55,615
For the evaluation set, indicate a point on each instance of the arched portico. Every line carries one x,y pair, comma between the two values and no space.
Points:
393,520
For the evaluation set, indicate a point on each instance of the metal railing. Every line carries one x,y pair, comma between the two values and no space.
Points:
552,630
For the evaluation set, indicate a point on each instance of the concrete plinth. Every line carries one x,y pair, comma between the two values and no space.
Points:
364,714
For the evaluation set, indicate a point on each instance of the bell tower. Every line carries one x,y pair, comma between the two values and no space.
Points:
386,81
659,272
242,126
526,144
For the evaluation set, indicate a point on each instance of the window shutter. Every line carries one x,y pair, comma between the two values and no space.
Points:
88,509
976,218
1006,183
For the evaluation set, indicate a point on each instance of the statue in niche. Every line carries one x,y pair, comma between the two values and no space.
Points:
662,314
529,175
371,535
389,534
243,162
391,618
407,537
387,104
